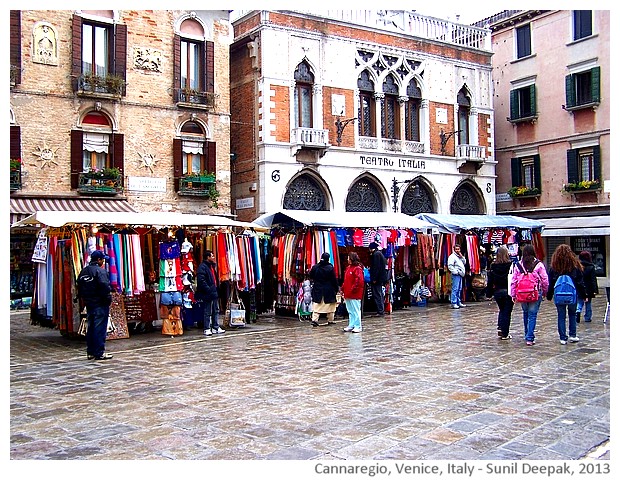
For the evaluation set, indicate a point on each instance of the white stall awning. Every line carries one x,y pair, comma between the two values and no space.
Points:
576,226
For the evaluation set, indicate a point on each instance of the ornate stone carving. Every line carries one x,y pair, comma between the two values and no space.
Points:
44,44
145,58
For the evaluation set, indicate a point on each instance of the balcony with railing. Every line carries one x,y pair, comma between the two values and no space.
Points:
108,86
316,139
403,22
474,153
390,145
15,179
187,97
99,183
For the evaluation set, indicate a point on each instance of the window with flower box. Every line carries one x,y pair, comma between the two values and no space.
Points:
583,167
526,179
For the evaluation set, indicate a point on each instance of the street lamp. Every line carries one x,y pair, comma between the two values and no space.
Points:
340,125
444,137
396,191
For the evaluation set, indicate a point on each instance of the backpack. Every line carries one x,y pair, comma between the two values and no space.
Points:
564,291
527,287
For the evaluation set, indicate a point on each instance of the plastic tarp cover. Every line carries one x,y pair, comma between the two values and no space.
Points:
329,218
458,223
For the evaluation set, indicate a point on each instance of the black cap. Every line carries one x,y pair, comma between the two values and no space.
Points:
98,255
325,256
373,246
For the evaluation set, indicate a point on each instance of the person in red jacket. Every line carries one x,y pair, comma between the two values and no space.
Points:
353,291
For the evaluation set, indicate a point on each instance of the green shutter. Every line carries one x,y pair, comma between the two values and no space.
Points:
514,105
596,150
537,178
515,165
533,99
570,91
596,84
571,166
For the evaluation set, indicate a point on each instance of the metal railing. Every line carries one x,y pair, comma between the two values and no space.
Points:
312,137
403,22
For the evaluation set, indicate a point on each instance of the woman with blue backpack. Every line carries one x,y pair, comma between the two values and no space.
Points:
566,278
528,287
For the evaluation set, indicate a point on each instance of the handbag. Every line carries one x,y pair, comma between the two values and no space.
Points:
479,280
83,323
366,274
510,274
235,315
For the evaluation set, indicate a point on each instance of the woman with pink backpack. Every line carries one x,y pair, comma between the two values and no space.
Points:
529,285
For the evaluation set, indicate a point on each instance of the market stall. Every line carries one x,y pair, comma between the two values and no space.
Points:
299,237
153,257
479,236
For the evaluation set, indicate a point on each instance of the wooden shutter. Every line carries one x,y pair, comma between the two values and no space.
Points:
596,152
76,53
16,45
515,166
210,67
211,159
570,91
595,83
537,178
118,153
177,161
16,142
77,156
533,99
120,54
514,104
571,166
176,67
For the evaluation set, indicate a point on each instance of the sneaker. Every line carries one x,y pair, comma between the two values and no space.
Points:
90,357
347,329
507,337
206,332
356,330
454,305
574,339
499,332
105,356
462,305
529,343
562,342
219,330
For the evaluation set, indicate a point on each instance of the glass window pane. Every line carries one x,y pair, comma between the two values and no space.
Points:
87,48
194,67
183,64
101,51
306,107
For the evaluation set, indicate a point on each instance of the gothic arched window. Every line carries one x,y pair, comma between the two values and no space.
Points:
304,80
364,197
465,201
304,193
417,202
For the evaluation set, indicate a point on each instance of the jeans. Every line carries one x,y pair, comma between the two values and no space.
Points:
97,329
572,320
530,313
505,304
354,307
210,315
457,288
377,294
587,314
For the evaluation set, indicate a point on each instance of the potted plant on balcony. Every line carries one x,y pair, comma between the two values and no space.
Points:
100,180
16,174
583,186
523,191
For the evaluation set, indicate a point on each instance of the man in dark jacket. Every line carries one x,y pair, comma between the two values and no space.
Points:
378,277
94,289
324,289
591,283
208,293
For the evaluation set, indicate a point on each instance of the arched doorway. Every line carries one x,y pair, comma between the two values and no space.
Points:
364,196
305,193
466,201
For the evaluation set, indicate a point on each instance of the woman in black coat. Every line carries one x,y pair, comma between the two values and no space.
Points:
497,286
591,283
324,289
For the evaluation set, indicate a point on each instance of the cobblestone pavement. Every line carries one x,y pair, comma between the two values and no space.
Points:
426,383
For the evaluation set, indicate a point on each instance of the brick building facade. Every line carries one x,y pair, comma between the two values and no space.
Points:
333,112
143,94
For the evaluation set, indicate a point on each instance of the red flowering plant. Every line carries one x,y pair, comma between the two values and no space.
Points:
16,164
